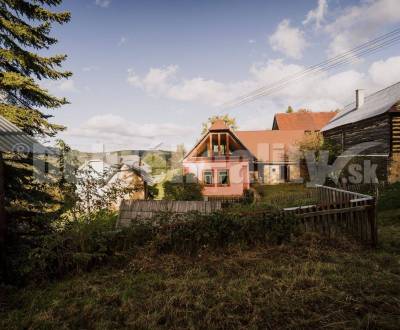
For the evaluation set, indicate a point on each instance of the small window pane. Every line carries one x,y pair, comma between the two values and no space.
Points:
208,177
223,177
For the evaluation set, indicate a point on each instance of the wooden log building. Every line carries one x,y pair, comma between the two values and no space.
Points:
374,119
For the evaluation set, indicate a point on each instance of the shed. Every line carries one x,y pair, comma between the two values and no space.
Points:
374,119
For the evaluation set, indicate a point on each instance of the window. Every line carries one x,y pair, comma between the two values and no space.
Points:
208,177
223,177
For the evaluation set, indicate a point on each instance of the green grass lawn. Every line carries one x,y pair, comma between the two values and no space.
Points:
308,283
285,195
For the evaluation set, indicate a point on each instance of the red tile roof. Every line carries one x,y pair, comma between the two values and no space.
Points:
265,145
218,125
306,121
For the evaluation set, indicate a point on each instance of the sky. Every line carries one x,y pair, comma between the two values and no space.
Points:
147,74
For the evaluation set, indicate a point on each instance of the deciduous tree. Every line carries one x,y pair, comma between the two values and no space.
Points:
229,121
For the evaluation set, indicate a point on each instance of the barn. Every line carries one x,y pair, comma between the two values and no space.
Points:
370,128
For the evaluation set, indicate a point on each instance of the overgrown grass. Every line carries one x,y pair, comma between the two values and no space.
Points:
309,283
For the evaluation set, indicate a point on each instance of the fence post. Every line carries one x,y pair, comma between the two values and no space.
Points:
373,221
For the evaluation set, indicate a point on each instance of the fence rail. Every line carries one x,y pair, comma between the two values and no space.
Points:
339,211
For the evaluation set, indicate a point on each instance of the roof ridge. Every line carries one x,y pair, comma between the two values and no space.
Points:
372,94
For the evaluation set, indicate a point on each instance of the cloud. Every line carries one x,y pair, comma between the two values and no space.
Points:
155,81
115,130
251,41
317,15
122,41
90,68
113,124
357,24
319,92
288,40
103,3
322,92
166,83
66,85
385,72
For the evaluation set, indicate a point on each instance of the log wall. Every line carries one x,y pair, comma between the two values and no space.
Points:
377,129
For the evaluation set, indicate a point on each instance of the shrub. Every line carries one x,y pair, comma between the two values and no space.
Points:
183,187
78,246
389,198
191,232
248,196
82,245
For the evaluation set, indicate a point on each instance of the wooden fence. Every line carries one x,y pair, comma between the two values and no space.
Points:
372,189
339,211
144,209
334,211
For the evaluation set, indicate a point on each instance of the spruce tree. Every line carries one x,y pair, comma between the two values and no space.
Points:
25,27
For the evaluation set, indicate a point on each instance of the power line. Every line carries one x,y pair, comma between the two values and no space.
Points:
366,48
278,87
340,59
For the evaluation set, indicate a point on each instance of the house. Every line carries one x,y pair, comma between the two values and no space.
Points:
227,161
134,177
374,119
127,175
302,120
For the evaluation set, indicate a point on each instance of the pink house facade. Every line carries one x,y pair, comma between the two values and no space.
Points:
227,161
221,162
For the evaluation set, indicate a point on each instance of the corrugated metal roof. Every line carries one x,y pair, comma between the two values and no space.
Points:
374,104
13,139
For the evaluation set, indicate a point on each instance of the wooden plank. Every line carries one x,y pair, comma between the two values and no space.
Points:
336,211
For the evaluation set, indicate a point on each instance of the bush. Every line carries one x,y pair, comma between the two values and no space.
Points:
389,199
78,246
82,245
183,188
248,196
188,233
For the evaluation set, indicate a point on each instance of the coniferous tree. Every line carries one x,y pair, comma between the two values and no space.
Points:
25,27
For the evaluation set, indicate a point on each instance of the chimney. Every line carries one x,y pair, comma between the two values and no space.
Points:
359,98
